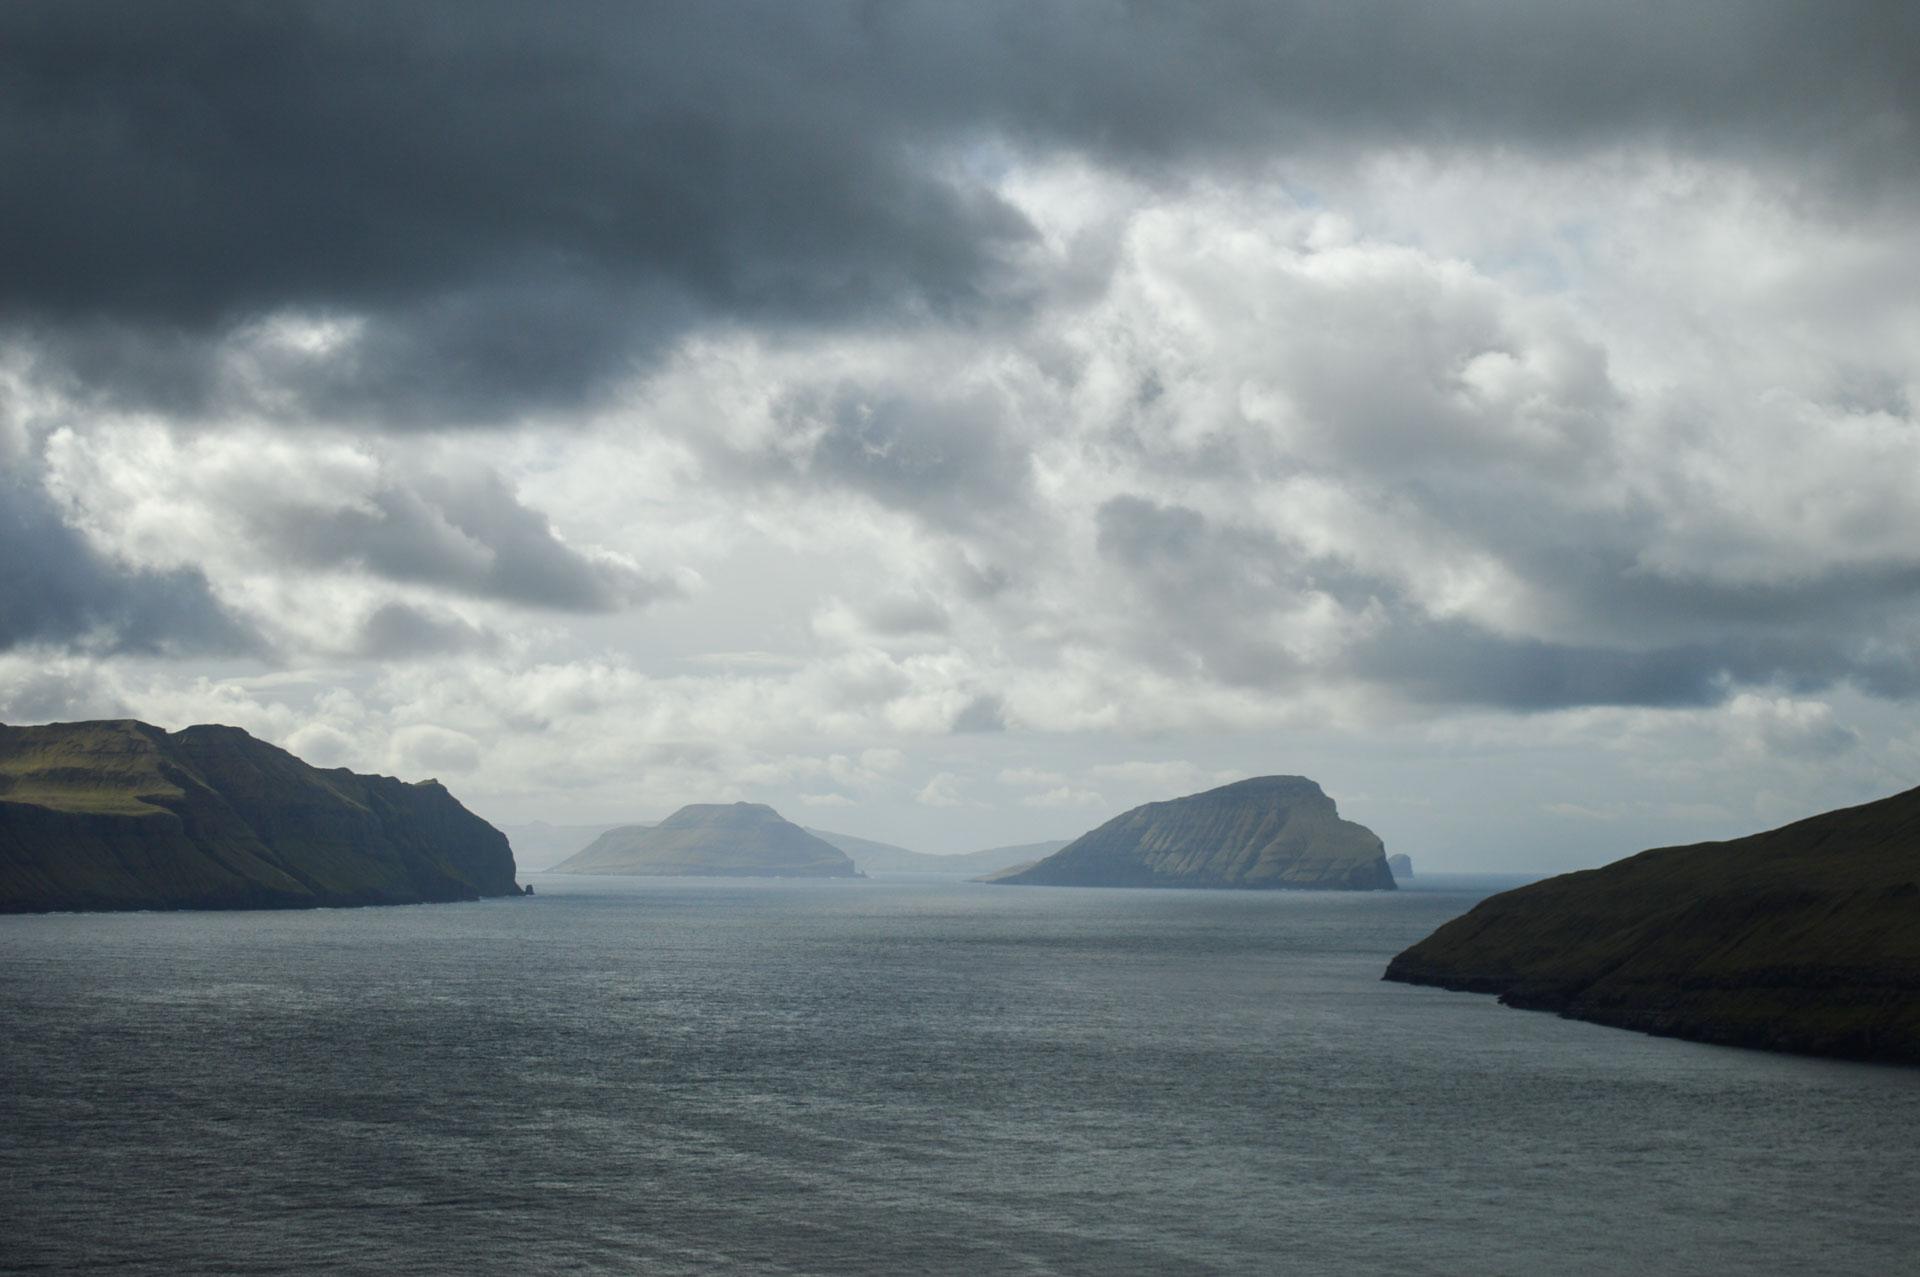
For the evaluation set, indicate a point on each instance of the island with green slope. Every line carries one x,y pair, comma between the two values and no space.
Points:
717,840
118,814
1270,832
1804,938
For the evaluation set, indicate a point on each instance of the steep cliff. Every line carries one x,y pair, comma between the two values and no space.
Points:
1804,938
1269,832
123,815
728,840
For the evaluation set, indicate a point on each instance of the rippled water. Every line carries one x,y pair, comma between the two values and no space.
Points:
890,1076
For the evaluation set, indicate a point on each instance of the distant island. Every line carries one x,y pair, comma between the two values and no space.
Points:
1272,832
881,857
1804,938
728,840
538,845
124,815
1401,864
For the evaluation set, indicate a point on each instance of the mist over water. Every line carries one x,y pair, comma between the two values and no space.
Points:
669,1076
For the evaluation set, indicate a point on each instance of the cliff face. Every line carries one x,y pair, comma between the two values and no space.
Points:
729,840
123,815
1804,938
1269,832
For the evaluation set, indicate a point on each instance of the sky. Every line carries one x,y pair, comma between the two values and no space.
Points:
957,424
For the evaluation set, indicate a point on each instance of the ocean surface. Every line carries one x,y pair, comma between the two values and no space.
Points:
902,1075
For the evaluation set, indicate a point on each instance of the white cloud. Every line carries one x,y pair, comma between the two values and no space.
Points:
1785,727
1259,484
1029,776
942,790
425,747
302,532
1063,796
324,746
1166,774
1575,811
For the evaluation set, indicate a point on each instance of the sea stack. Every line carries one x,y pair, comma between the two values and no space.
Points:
1271,832
125,815
721,840
1401,864
1804,938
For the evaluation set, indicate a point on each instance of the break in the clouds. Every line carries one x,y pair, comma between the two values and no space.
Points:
970,417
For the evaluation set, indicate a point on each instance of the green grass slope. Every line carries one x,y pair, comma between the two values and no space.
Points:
124,815
1804,938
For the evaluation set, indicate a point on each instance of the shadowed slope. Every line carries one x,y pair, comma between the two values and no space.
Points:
123,815
1268,832
1804,938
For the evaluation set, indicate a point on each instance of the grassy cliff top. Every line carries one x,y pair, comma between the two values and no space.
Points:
1805,937
114,766
125,767
123,815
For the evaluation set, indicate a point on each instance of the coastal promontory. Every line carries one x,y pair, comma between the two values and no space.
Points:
722,840
124,815
1273,832
1804,938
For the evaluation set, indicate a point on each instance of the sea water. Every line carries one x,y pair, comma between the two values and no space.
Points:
891,1076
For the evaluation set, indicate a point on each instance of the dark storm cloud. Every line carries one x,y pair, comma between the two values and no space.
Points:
399,631
1608,588
490,350
1658,635
56,589
1218,596
908,615
1459,663
984,713
1211,590
469,534
521,201
950,459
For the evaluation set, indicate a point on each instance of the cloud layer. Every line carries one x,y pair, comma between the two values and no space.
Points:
974,415
498,210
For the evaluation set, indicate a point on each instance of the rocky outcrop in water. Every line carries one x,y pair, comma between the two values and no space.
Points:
124,815
1401,865
1804,938
1269,832
728,840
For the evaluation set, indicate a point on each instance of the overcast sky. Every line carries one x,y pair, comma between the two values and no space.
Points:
956,423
